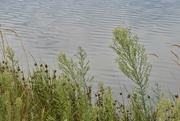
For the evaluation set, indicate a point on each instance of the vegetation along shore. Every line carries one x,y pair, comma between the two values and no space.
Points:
46,94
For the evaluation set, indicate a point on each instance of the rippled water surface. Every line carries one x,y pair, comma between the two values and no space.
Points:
48,27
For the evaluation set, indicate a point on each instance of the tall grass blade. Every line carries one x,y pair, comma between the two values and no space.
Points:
174,54
176,45
175,61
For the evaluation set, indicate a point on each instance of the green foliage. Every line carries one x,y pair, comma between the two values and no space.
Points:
168,110
45,95
76,71
157,91
132,61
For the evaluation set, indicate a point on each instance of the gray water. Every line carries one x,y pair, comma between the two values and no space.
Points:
48,27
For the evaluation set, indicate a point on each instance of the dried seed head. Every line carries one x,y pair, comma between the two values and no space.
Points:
35,64
41,65
122,105
55,71
172,105
18,69
176,96
120,93
3,68
54,77
46,71
99,95
128,96
46,66
89,88
148,97
135,95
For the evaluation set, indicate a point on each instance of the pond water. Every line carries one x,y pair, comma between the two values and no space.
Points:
48,27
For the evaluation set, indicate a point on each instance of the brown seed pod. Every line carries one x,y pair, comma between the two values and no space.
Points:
46,66
35,64
176,96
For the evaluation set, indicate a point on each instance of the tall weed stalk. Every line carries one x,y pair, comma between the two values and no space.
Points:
132,61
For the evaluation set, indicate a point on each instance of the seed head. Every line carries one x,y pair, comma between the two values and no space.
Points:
35,64
128,96
18,69
176,96
55,71
46,71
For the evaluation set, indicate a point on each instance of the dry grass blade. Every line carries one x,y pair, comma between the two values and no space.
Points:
176,45
174,54
2,47
11,30
2,36
153,54
175,61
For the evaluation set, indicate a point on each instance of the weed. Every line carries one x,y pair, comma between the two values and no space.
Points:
46,95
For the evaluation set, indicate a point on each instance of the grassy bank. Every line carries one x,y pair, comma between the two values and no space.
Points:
43,94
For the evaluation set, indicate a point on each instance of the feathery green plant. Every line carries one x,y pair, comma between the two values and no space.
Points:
132,61
76,71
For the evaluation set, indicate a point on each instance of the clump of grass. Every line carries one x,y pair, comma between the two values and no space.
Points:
46,95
